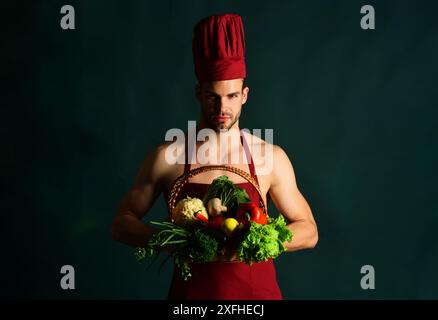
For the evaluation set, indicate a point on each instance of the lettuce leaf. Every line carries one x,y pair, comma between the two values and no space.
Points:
263,242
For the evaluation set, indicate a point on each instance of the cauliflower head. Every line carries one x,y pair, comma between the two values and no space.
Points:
183,213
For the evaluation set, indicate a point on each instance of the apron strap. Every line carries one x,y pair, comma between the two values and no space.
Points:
249,158
186,163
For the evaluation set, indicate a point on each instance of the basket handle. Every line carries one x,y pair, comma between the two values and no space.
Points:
184,178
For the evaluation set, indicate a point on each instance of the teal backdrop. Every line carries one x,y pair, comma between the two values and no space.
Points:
355,110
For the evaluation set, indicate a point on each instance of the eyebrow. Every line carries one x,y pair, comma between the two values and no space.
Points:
215,94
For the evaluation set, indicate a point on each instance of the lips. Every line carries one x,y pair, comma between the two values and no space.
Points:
221,118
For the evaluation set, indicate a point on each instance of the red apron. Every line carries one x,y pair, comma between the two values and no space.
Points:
225,280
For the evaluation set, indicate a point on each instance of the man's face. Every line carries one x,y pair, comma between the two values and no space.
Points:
221,103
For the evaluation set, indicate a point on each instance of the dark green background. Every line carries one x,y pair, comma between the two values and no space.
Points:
355,110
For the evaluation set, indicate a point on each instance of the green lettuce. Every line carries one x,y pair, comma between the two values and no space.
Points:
263,242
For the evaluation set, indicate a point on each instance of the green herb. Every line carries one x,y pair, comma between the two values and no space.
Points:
190,245
231,195
263,242
203,247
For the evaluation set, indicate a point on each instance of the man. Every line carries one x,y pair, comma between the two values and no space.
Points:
218,51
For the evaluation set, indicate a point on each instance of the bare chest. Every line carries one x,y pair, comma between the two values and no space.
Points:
206,177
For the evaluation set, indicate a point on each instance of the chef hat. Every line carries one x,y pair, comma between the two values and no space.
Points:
219,48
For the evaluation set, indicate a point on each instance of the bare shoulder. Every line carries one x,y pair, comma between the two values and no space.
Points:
280,154
154,166
282,169
282,162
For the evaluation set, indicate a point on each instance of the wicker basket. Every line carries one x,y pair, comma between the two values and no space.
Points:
184,178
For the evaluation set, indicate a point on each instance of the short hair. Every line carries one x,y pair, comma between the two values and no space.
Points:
244,84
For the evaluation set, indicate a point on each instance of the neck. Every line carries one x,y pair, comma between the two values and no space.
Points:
227,142
232,133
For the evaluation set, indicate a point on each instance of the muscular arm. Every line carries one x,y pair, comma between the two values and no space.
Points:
290,202
127,226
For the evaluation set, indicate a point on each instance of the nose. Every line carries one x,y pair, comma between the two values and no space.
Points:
220,105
